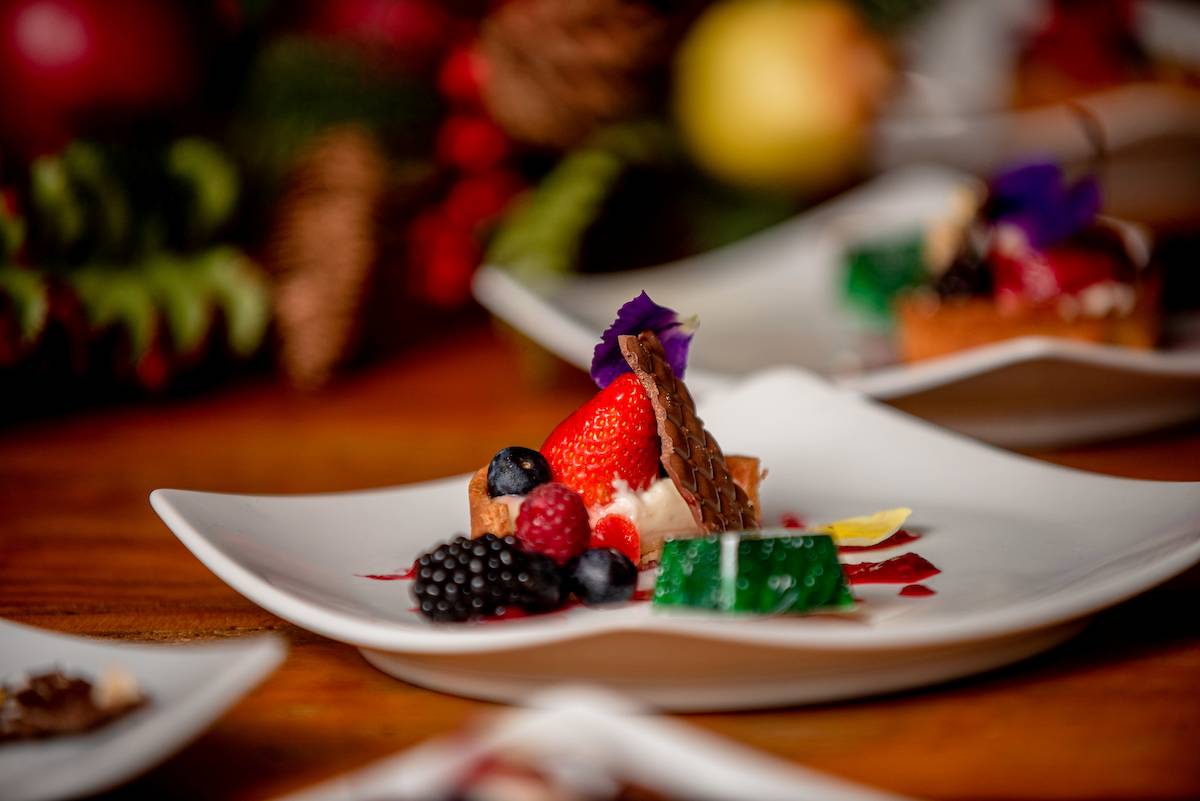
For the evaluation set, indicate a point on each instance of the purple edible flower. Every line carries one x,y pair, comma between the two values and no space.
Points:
638,315
1037,199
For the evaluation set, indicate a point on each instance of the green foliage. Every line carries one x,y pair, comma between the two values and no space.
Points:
300,87
185,293
208,179
29,294
541,235
125,231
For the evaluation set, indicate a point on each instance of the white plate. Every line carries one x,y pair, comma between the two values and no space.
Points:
776,299
1027,551
190,686
599,740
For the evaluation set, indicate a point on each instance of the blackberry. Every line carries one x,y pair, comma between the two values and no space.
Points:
467,579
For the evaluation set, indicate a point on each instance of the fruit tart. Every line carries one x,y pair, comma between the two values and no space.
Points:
1030,257
631,467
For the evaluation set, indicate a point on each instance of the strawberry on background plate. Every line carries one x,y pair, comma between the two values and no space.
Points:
614,435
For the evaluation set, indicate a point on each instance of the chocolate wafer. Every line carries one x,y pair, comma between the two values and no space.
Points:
690,454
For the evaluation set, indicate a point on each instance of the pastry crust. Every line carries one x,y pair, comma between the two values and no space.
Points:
928,327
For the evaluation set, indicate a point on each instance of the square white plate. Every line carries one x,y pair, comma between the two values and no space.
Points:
189,687
1026,549
775,299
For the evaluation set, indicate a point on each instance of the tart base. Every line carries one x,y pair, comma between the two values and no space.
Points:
927,327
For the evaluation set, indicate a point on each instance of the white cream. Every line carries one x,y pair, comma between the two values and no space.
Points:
656,511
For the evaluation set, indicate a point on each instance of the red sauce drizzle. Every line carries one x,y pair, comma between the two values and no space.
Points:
901,537
407,575
907,568
792,521
917,591
509,613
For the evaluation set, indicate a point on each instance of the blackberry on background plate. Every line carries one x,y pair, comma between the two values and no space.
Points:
467,579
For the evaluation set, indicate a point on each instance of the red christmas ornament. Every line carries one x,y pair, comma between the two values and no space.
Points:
479,198
442,259
472,143
413,33
63,60
462,75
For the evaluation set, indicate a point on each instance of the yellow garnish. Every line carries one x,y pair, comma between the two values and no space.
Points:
866,530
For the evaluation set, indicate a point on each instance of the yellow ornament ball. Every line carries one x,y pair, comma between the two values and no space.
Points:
779,94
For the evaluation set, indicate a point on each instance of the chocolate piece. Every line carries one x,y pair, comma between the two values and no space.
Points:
53,704
690,455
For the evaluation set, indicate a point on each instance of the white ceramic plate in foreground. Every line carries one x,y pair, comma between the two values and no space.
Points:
601,741
1027,550
189,687
776,299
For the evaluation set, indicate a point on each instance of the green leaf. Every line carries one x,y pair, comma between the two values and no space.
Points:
211,180
541,235
117,296
55,203
12,232
102,197
181,295
243,293
30,294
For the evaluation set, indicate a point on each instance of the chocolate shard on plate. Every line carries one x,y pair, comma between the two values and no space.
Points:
690,454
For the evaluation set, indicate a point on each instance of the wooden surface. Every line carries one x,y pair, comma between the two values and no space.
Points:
1115,714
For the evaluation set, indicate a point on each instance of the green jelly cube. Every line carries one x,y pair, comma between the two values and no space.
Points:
761,572
877,271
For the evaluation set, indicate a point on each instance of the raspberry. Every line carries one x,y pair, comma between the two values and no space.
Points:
618,532
467,579
553,521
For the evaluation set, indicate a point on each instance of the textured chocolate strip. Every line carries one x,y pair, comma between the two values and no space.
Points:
690,454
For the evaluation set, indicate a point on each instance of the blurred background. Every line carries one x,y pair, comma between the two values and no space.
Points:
196,192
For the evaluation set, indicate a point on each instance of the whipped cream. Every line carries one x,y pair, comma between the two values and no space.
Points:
657,511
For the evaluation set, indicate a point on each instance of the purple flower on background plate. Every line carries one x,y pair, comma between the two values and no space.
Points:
1037,199
638,315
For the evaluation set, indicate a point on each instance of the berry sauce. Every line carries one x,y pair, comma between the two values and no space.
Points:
792,521
901,537
917,591
907,568
407,575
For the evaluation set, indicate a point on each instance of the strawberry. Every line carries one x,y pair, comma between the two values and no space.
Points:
614,435
553,521
619,533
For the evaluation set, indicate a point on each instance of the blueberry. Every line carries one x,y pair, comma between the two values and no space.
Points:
515,471
602,576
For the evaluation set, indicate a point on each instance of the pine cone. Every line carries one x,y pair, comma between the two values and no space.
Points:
559,68
322,251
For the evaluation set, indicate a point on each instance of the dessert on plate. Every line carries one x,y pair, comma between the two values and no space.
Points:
633,485
1031,256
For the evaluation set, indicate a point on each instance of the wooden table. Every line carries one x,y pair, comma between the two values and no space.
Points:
1115,714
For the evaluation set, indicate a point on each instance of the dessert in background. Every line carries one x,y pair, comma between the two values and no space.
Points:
1030,257
54,703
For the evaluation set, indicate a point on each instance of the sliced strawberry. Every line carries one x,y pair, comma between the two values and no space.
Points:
614,435
618,532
